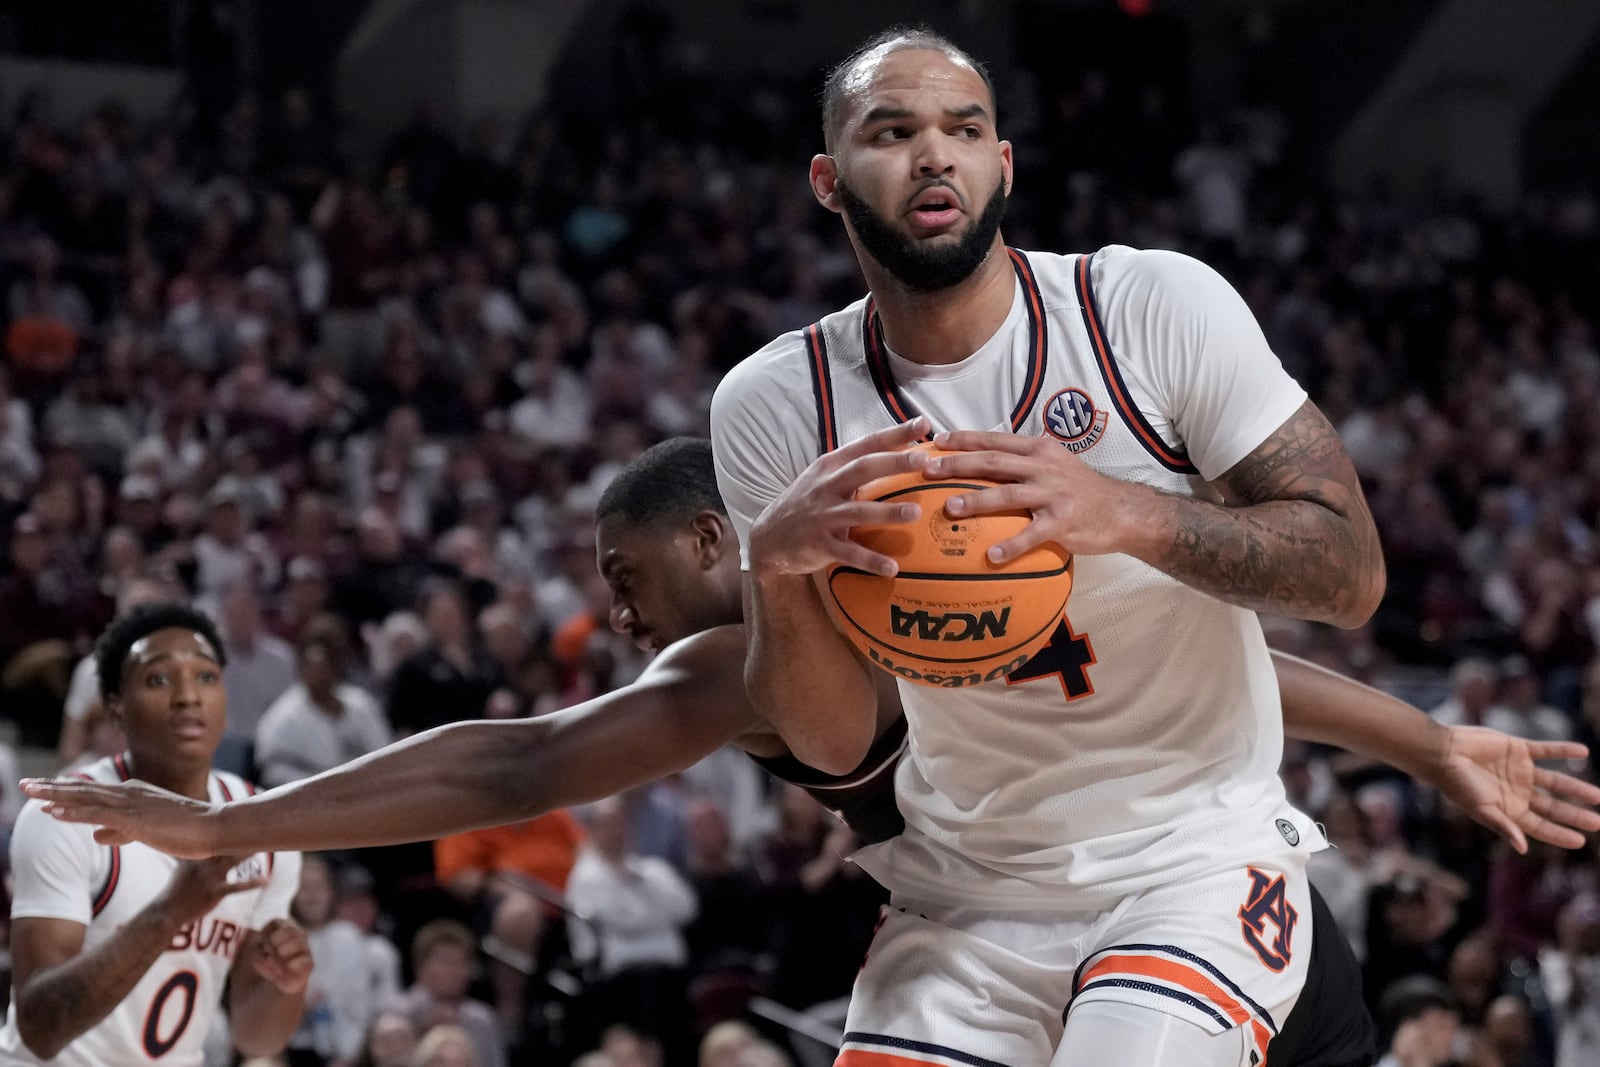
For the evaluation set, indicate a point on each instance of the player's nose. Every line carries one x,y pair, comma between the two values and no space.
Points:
622,615
934,156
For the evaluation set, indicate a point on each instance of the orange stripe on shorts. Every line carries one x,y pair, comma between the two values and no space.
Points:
1181,974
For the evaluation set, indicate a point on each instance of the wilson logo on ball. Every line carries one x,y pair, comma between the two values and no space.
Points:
951,626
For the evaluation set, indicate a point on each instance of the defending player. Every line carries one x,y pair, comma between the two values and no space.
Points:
121,952
1099,843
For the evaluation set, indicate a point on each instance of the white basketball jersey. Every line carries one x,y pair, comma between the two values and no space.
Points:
61,873
1141,746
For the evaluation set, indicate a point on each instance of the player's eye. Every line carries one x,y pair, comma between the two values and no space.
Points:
892,133
971,132
209,677
155,679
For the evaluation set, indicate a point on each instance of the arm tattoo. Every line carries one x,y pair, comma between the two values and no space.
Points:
1297,537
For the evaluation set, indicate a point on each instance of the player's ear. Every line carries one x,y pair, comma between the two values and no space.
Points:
1006,164
712,537
824,179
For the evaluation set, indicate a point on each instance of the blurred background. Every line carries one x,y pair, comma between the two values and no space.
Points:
336,316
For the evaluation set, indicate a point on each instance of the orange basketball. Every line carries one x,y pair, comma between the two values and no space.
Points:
950,618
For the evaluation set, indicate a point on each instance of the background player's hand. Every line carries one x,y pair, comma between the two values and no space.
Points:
130,811
281,954
808,526
197,886
1073,505
1493,778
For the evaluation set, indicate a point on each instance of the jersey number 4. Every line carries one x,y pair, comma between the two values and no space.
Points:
185,984
1067,658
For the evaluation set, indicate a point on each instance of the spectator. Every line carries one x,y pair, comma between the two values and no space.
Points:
634,909
1571,972
446,1045
827,908
1420,1023
391,1041
451,677
321,721
443,954
260,669
359,907
339,1006
505,874
732,931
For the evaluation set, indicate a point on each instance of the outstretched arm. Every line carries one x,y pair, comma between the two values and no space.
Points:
1491,776
455,778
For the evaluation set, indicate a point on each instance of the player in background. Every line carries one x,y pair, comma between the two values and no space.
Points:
121,952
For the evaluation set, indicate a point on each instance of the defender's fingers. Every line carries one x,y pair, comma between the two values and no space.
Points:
1560,811
1496,820
1551,833
1568,786
1557,750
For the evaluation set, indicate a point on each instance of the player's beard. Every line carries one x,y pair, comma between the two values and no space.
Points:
924,266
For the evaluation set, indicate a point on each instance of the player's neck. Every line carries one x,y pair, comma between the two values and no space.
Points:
189,781
949,325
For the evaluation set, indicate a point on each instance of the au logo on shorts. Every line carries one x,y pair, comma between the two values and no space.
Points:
1071,418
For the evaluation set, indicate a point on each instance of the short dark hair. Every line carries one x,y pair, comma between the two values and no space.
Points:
905,38
1411,998
672,480
111,651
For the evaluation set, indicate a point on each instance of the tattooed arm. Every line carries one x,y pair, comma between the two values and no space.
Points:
1294,538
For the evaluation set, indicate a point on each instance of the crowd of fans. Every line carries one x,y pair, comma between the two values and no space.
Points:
362,410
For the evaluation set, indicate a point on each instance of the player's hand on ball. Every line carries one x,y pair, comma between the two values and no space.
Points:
282,955
1073,505
130,811
807,528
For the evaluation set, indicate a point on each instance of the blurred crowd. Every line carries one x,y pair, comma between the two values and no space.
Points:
361,410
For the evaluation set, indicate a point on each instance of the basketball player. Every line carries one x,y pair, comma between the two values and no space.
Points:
667,549
1099,863
121,953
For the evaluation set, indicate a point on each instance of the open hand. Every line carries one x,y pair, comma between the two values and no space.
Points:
1493,778
130,811
807,528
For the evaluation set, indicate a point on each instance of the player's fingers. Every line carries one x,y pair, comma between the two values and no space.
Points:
988,501
875,513
995,466
861,558
1029,538
1566,785
985,441
863,469
895,437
